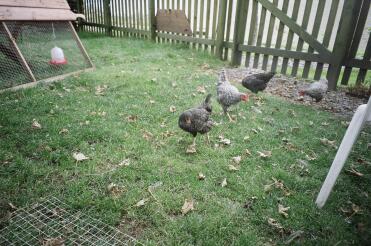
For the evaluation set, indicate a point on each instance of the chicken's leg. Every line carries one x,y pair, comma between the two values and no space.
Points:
207,138
230,118
194,141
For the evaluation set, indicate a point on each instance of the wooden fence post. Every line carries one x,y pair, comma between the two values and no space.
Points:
239,31
219,42
152,19
348,21
107,16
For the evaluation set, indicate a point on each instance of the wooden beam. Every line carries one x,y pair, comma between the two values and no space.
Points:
220,29
357,63
55,4
18,53
80,45
322,50
124,29
107,16
152,19
349,17
280,52
239,31
186,38
35,14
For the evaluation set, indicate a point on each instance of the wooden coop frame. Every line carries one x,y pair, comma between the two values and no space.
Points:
22,17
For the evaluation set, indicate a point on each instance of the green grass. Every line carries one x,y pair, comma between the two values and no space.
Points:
38,163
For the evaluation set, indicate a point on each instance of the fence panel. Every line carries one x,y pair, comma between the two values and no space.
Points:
307,38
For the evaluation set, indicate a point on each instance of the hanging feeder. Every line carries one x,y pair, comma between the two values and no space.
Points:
57,56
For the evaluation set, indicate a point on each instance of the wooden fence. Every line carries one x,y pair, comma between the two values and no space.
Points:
306,38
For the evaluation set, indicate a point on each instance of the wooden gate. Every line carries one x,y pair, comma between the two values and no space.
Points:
304,38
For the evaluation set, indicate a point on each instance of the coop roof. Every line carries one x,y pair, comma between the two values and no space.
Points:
36,10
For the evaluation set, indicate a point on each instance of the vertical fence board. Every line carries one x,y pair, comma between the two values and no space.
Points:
252,32
327,35
260,35
239,31
279,35
356,39
290,36
269,36
201,24
366,57
152,19
220,29
299,47
207,31
343,40
213,29
228,27
315,31
195,13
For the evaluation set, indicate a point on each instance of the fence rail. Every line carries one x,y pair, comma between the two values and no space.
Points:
306,38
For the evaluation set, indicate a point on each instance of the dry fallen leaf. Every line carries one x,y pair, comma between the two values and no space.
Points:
100,89
114,189
283,210
191,149
201,176
141,203
154,186
265,154
354,172
152,101
274,223
154,80
247,152
58,241
233,168
201,89
172,109
237,159
36,124
293,236
125,162
78,156
327,142
63,131
223,183
132,118
173,84
256,110
224,141
147,135
187,206
325,123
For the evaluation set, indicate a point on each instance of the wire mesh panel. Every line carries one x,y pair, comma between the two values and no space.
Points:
35,40
12,72
50,223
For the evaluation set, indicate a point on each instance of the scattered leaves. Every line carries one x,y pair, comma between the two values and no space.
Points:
35,124
63,131
114,189
224,141
201,176
293,236
154,80
224,182
247,152
172,109
187,206
100,90
237,159
233,168
265,154
57,241
141,203
78,156
201,89
125,163
152,101
191,149
154,186
132,118
327,142
354,172
147,135
283,210
274,223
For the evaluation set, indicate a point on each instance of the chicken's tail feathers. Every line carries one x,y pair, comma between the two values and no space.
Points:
207,99
223,77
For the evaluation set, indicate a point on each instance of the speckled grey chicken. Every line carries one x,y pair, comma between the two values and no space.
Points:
228,94
316,90
196,120
257,82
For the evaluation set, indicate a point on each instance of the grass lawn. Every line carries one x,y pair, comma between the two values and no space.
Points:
132,121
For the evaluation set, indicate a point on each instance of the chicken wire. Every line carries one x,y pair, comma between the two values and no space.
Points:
35,39
52,223
12,72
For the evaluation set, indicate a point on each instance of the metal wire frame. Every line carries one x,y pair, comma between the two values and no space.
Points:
53,221
25,52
